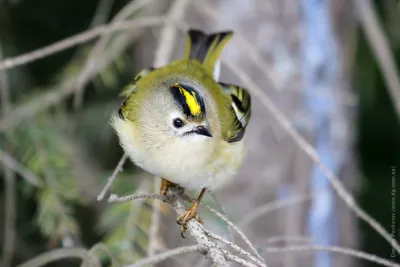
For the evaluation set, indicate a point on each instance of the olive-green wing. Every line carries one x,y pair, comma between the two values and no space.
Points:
130,88
241,107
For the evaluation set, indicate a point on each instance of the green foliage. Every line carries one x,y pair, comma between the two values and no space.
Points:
127,224
50,157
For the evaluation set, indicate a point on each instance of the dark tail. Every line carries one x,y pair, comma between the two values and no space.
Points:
206,48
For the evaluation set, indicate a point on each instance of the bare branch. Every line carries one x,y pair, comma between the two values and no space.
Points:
80,39
52,49
229,256
56,95
92,253
275,239
370,23
164,255
101,44
271,206
114,198
235,247
168,33
230,224
4,87
111,179
230,230
339,250
102,12
206,247
135,209
57,254
310,151
237,230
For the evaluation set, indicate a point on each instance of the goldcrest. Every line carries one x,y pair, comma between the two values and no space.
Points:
179,123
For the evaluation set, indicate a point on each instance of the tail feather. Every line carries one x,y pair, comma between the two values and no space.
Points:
206,48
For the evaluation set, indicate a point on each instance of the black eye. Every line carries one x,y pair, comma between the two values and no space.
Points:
178,123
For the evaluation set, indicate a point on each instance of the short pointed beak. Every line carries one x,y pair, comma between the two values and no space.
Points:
203,131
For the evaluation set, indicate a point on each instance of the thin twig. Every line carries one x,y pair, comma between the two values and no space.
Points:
376,36
111,179
235,247
9,175
80,38
102,12
206,246
52,49
286,238
339,250
100,247
115,198
101,44
54,96
168,33
310,151
155,220
57,254
230,230
60,91
135,209
164,255
259,211
238,231
233,226
230,257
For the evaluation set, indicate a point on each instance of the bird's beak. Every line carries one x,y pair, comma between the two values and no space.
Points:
203,131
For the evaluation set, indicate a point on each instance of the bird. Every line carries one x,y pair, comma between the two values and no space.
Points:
180,123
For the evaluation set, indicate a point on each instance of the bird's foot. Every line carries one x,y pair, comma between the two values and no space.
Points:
187,216
165,185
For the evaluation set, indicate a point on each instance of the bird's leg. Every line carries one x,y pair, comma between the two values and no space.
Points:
165,185
191,213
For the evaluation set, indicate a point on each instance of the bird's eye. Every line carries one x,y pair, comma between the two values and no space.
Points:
178,123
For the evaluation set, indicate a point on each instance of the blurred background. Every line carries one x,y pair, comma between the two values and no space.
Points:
330,67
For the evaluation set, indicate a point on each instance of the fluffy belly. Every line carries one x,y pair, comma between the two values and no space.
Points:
195,171
216,172
209,180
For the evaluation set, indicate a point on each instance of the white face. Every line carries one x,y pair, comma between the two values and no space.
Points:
183,128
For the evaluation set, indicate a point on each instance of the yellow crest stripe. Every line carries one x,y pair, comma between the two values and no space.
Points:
191,100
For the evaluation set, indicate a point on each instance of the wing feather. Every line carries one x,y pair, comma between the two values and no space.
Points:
129,90
241,107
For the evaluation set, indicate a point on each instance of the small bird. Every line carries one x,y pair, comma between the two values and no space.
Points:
179,123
